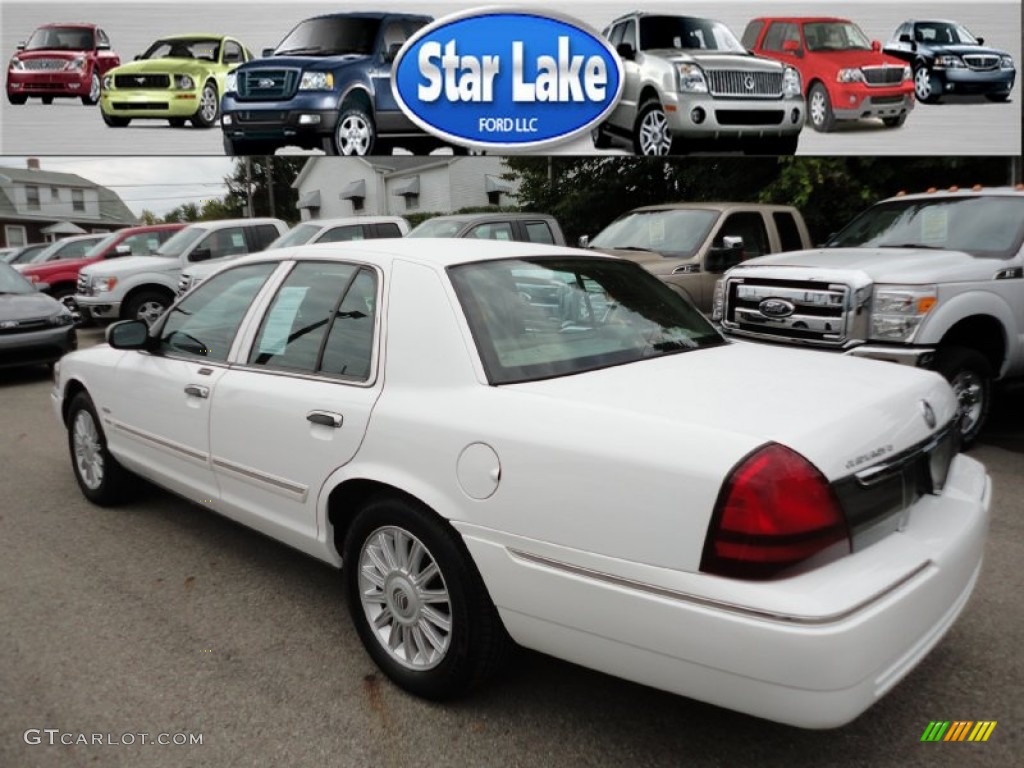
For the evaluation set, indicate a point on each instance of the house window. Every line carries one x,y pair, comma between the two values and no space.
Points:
32,198
77,200
412,201
494,198
357,203
14,235
54,194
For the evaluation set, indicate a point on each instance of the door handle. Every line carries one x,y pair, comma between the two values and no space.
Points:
197,390
325,418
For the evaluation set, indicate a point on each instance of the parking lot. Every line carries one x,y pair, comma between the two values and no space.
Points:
161,618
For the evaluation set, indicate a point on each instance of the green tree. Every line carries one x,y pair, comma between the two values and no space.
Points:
285,169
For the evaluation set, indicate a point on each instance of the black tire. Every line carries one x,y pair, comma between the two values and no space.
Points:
819,109
209,107
94,91
475,643
61,291
970,375
177,122
927,87
16,99
112,484
894,122
47,100
599,137
651,133
143,306
354,134
997,97
115,122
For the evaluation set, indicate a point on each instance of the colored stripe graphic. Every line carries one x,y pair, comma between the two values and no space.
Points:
935,730
982,730
958,730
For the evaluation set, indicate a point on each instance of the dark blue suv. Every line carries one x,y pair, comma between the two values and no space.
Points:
326,86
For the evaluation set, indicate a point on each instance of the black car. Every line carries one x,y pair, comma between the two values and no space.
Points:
35,329
948,59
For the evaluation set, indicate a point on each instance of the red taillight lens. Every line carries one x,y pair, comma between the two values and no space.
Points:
774,511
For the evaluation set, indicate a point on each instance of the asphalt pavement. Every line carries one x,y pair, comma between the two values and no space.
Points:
161,618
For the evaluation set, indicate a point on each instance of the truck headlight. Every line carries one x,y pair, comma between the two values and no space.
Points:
62,318
908,74
184,83
949,62
718,302
77,64
316,81
230,82
791,85
108,82
16,64
1006,62
851,75
898,310
691,79
104,284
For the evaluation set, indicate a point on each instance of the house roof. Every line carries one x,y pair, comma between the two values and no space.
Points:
112,208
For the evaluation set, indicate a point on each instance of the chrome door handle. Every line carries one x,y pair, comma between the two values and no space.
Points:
197,390
325,418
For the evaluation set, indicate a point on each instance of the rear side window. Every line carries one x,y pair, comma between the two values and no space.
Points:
789,232
539,232
501,230
264,235
349,347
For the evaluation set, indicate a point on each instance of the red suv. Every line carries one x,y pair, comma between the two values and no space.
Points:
845,75
61,276
61,60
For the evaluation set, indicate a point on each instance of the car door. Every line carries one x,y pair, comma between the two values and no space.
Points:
297,404
748,225
625,112
160,420
390,118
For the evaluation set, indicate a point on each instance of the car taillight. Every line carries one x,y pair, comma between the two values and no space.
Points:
774,511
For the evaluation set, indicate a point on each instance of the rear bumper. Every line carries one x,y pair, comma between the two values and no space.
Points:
814,650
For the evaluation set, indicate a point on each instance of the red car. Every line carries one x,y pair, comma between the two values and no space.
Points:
845,75
61,276
61,60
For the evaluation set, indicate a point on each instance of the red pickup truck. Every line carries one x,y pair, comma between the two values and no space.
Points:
61,60
60,276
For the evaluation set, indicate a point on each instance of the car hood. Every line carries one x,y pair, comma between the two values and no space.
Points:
968,50
43,53
834,410
308,63
27,306
853,59
654,261
882,265
164,66
719,60
127,265
61,265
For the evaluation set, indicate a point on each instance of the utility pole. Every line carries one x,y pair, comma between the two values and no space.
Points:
248,187
270,185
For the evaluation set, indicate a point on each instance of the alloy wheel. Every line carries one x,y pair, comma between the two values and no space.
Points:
354,135
88,451
970,394
655,135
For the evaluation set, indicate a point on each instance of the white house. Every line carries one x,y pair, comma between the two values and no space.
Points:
399,185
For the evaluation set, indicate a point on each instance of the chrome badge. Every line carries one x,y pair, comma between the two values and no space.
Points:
929,414
776,308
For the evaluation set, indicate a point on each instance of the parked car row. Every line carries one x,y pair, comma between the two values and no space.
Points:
689,82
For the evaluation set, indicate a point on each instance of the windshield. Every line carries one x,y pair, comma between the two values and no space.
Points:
981,226
297,235
60,39
542,317
26,255
942,33
438,228
102,245
204,48
687,34
179,242
672,233
835,36
330,37
12,282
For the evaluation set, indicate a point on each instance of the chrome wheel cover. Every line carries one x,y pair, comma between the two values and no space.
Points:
208,106
354,135
922,84
970,394
405,598
150,311
655,135
94,88
88,451
818,108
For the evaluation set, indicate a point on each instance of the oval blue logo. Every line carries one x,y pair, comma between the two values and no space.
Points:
506,79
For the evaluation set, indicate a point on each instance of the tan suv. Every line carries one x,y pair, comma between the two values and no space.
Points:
690,245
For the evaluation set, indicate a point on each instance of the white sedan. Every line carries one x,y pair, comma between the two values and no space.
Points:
516,441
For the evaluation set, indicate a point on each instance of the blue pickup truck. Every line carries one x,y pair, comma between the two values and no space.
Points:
326,86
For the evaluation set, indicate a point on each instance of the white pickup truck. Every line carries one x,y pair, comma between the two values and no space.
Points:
934,280
143,287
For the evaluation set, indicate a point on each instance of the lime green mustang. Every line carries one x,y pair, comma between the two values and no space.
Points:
179,78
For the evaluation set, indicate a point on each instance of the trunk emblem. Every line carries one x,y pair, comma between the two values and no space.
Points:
929,414
776,308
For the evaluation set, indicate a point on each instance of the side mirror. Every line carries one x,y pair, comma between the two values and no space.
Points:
905,38
876,46
21,46
722,257
137,57
626,51
981,40
266,53
102,46
793,46
200,254
122,250
128,334
392,52
584,241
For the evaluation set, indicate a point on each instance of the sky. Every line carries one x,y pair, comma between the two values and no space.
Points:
159,184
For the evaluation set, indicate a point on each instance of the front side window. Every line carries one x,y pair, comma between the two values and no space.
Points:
204,324
498,230
321,320
748,225
220,243
543,317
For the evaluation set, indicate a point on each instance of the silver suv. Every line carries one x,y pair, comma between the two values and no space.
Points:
689,82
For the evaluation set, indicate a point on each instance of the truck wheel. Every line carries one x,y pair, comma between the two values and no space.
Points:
927,87
819,106
16,99
209,107
94,91
355,134
970,375
651,134
997,96
147,305
599,137
894,122
116,122
47,100
176,122
102,479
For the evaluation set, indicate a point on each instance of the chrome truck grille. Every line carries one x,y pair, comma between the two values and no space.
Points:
739,84
796,311
884,75
981,62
